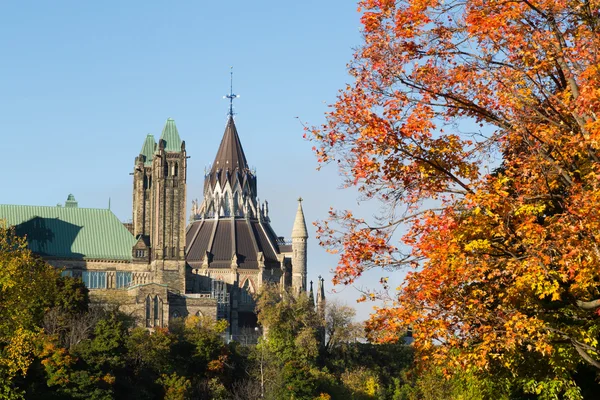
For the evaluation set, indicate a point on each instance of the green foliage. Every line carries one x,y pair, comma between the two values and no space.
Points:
175,387
292,324
299,382
71,295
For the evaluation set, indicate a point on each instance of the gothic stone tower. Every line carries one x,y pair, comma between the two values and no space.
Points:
142,186
159,205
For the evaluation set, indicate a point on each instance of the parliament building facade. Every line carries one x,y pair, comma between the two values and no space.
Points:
161,265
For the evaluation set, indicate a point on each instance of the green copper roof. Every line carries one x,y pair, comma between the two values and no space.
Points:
71,202
171,136
70,233
148,149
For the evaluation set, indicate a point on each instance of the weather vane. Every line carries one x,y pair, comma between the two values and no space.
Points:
231,96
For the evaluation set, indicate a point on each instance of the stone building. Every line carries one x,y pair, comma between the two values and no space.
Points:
156,268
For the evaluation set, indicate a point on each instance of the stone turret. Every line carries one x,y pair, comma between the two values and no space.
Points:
299,248
321,297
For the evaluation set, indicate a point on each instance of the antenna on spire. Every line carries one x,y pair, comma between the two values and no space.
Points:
231,96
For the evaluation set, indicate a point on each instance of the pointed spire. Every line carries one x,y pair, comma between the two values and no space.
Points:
231,96
321,296
230,154
311,294
299,230
148,149
171,137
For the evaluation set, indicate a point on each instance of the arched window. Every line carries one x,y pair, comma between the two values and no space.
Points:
166,167
148,315
156,311
226,208
199,314
236,204
176,169
145,181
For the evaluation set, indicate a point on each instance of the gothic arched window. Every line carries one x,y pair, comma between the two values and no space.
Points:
166,167
156,311
145,181
148,314
236,204
226,208
176,169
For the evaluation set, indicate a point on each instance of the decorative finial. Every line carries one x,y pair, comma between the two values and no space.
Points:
300,199
231,96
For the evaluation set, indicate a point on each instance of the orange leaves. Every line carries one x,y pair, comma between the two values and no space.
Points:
501,255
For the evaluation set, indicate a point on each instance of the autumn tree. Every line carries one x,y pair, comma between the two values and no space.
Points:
475,123
339,325
28,289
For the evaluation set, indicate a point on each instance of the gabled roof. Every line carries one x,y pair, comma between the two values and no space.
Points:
148,149
171,137
230,154
70,233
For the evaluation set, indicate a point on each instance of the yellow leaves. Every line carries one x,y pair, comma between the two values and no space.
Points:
20,351
530,209
477,245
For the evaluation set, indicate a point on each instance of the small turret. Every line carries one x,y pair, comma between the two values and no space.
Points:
71,202
321,297
299,249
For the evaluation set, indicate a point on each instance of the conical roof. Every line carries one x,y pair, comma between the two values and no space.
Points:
299,230
230,154
148,149
171,137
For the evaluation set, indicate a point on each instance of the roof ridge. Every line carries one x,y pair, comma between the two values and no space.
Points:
61,207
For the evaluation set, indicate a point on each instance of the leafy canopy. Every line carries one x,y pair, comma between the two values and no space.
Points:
505,263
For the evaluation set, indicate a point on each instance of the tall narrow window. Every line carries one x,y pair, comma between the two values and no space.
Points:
236,204
226,208
246,297
156,312
176,169
166,169
145,181
148,314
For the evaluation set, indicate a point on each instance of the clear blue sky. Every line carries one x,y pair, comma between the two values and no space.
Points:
83,82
